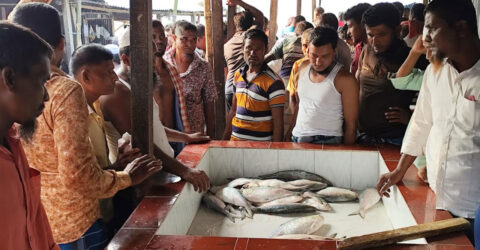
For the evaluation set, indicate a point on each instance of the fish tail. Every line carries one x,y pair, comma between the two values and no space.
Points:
230,216
362,214
249,212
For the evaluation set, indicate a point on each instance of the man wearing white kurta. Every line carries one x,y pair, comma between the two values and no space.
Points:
446,122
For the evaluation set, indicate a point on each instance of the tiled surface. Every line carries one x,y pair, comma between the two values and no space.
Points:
349,147
327,162
227,163
141,226
363,174
131,239
275,244
293,159
167,242
150,212
259,162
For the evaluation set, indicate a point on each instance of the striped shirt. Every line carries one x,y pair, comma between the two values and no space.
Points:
255,100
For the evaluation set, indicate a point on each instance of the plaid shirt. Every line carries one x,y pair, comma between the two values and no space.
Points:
177,82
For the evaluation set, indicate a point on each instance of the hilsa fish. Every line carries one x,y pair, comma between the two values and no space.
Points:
368,198
302,225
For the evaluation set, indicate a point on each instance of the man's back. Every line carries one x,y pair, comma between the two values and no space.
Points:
233,51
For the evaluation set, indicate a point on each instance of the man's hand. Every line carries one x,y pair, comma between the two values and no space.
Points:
125,155
198,179
142,167
196,138
418,47
399,115
387,180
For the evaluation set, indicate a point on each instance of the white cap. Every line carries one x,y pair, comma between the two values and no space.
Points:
124,40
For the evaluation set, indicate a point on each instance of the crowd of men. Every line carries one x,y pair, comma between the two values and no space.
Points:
380,75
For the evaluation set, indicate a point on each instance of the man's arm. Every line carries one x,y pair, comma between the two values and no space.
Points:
276,52
210,118
196,177
417,50
116,108
177,136
228,123
348,87
294,108
256,13
277,116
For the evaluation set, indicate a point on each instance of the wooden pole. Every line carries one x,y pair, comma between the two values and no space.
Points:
218,67
273,23
230,25
141,74
299,7
67,21
175,7
208,33
314,6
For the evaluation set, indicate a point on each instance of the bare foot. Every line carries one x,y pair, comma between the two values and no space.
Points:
422,174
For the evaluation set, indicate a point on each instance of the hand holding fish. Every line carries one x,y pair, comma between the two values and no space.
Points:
387,180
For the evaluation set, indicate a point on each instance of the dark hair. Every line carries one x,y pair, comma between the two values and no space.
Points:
20,48
157,24
298,19
356,12
322,35
454,12
417,12
399,7
88,55
182,26
382,13
243,21
256,34
200,30
329,20
41,18
302,26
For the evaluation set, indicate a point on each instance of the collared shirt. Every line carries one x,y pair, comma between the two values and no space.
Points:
177,82
255,99
24,222
233,52
356,57
96,133
72,180
198,87
343,55
446,127
289,50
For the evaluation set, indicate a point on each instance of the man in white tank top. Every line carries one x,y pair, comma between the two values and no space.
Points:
325,96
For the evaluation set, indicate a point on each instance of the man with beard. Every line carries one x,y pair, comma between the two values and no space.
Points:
446,122
383,111
197,79
257,107
72,180
116,110
326,93
24,69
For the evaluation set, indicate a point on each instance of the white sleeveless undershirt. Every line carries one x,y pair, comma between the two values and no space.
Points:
320,109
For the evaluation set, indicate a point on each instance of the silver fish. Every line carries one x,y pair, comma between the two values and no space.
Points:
291,175
240,182
318,203
233,196
335,194
285,200
302,225
285,209
212,202
215,189
368,198
274,183
308,184
265,194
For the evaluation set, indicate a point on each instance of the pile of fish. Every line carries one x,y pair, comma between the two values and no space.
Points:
285,192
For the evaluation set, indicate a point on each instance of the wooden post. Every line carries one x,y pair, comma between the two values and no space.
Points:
218,67
141,74
273,23
208,32
67,22
314,6
299,7
230,25
175,7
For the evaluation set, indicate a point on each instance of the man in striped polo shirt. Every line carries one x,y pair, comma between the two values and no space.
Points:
257,107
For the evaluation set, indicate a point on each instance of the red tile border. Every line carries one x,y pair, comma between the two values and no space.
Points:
349,147
174,242
389,152
293,145
150,213
241,244
131,239
277,244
